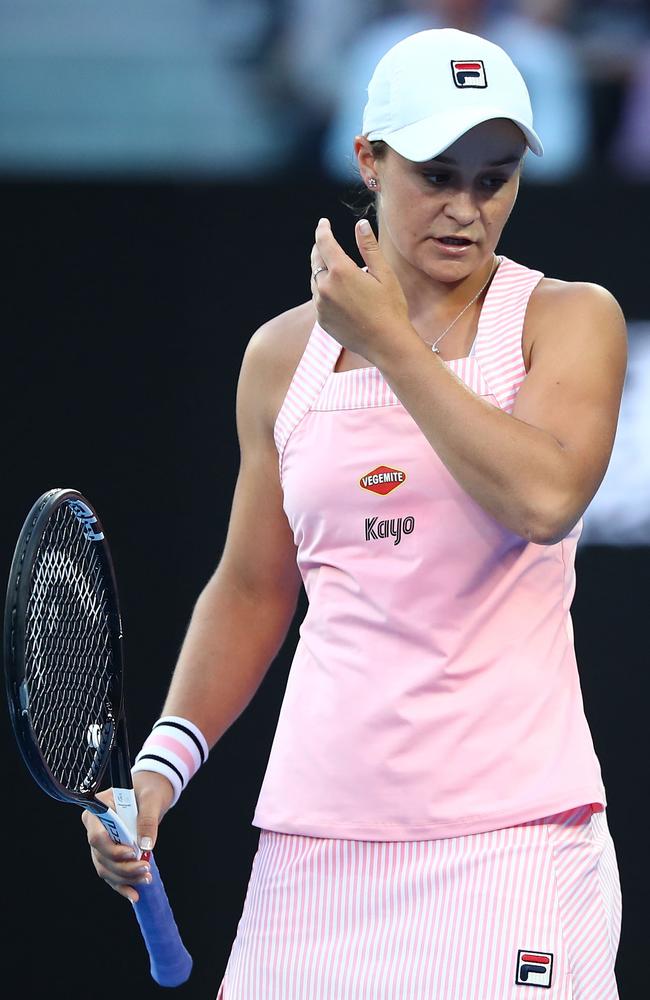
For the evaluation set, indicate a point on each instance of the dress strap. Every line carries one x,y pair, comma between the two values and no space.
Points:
317,361
498,341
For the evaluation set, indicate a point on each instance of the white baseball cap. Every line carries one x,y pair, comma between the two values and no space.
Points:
433,86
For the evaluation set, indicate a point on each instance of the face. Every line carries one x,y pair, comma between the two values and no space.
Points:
444,217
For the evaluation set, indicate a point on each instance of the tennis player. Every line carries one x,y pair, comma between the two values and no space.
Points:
419,442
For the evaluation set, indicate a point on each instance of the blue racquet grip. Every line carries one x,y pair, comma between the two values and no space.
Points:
171,963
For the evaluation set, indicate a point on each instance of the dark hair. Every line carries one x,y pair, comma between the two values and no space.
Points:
365,201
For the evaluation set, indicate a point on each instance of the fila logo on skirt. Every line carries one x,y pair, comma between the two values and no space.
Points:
468,73
534,968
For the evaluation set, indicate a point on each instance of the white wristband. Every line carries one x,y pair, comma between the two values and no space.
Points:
175,748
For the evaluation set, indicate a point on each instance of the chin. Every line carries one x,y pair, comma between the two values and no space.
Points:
450,270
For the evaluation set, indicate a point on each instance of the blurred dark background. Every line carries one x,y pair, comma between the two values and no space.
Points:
162,169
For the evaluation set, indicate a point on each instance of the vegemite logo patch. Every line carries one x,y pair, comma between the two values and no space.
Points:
468,73
382,480
534,968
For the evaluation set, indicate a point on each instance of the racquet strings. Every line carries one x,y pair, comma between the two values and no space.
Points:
69,661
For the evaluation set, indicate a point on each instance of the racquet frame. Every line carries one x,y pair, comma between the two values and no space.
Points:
170,962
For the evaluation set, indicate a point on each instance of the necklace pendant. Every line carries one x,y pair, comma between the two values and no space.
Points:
435,349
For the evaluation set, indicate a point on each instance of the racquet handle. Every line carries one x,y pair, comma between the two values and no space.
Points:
170,961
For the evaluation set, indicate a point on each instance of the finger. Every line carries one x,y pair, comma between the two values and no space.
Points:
128,892
107,797
99,840
316,260
370,250
122,888
148,819
317,292
121,872
315,278
331,251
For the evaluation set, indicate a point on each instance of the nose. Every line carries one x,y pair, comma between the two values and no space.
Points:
462,208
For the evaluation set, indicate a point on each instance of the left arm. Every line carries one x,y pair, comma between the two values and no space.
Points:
536,470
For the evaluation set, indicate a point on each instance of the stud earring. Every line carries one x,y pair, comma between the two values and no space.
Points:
372,182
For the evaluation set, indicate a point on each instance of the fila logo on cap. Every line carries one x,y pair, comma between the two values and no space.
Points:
468,73
534,968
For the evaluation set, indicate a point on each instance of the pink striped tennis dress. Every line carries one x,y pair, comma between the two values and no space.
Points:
433,816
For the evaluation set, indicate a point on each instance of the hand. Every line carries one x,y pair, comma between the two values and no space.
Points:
365,312
116,863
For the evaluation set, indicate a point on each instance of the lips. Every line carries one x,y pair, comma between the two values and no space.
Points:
453,246
454,241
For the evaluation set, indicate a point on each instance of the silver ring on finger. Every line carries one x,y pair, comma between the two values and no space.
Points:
318,270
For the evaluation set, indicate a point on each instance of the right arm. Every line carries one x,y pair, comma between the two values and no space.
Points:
242,615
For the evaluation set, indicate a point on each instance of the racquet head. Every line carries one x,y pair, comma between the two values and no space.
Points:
62,648
63,669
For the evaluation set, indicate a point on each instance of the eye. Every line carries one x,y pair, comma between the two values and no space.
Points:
494,183
437,179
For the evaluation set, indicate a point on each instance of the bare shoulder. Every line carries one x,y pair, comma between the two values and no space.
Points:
586,309
274,351
553,293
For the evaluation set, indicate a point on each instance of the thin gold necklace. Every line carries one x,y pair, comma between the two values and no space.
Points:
463,311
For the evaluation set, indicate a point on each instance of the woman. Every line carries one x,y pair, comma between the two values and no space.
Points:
432,816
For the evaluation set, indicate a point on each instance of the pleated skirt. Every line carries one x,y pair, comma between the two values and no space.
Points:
480,917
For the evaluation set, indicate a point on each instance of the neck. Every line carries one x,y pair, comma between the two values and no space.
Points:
431,301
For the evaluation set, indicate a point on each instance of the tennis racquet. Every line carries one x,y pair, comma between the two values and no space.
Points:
63,666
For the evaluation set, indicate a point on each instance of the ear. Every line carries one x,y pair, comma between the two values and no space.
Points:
365,158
